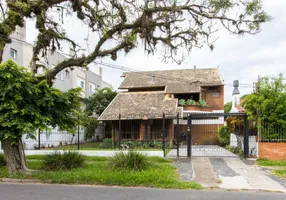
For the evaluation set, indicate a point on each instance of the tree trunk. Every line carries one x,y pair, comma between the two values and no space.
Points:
1,55
15,157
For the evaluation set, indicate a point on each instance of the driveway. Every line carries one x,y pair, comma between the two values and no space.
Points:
227,173
202,151
63,192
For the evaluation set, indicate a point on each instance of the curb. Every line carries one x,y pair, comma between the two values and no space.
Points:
12,180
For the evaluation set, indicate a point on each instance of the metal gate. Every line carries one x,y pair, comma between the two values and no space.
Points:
206,135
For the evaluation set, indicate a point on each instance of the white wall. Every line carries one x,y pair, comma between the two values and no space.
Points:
237,141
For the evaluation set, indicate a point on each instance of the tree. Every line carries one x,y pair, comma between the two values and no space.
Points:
27,105
119,24
227,107
268,103
97,103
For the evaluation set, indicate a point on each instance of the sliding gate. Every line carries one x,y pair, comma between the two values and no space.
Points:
206,135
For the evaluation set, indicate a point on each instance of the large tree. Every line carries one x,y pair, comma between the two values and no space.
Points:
97,103
27,104
268,103
176,26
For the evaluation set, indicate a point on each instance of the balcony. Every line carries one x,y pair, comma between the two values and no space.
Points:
191,105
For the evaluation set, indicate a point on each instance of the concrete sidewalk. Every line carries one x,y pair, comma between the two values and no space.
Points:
232,173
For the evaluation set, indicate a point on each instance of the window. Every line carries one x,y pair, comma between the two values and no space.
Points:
81,84
215,94
60,76
13,53
67,74
91,87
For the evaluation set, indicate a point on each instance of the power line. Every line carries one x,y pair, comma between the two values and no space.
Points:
127,69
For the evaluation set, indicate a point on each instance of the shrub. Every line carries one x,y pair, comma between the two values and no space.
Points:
191,102
129,161
236,150
107,143
202,103
224,136
2,160
66,161
182,102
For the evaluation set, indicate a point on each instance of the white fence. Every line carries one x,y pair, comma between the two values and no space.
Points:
52,139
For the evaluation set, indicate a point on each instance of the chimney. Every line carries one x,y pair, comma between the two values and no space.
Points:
153,77
235,85
195,67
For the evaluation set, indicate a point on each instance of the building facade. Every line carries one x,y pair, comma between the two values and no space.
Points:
20,51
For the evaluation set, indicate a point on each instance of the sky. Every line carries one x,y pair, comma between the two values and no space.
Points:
242,58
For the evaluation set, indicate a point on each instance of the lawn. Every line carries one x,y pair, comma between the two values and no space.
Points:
96,171
279,167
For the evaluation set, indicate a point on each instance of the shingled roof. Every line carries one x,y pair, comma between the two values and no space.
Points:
141,105
175,81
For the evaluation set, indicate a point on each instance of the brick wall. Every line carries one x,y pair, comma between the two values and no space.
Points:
272,150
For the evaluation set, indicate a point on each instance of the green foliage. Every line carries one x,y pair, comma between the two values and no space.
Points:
27,104
107,143
99,101
202,103
2,160
182,102
223,136
191,102
66,161
90,124
227,107
236,150
132,160
268,103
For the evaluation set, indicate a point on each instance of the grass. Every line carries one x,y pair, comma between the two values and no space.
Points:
96,171
274,163
265,162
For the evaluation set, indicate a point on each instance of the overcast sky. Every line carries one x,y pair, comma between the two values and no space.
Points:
238,57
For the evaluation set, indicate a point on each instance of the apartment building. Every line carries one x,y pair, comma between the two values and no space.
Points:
21,52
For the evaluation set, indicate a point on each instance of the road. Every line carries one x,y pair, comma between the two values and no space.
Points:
64,192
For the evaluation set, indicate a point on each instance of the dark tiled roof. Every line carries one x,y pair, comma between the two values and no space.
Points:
141,105
175,81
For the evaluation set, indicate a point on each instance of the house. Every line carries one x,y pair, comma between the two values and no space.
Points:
147,95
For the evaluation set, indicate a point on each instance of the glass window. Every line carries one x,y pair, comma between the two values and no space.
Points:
67,74
90,88
13,53
81,84
215,94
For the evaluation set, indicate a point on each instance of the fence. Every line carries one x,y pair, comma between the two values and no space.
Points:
272,141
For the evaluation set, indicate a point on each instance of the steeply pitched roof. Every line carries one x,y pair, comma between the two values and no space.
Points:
140,105
175,81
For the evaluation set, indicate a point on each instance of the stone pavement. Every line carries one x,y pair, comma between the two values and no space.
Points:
230,173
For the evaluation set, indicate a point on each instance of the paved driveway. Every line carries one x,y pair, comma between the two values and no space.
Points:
203,151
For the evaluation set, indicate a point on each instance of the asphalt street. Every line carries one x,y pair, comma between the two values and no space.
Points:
65,192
